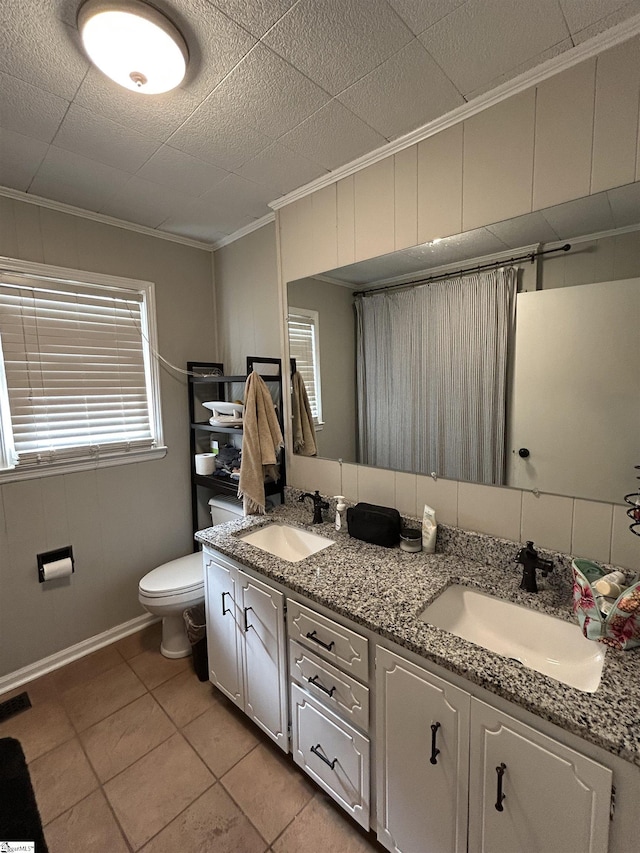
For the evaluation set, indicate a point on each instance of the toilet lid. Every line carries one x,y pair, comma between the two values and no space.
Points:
182,575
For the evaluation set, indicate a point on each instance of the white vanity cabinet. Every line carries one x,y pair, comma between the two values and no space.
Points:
520,789
246,643
529,792
422,758
329,668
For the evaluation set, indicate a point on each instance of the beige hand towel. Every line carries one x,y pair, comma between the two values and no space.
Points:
262,438
304,435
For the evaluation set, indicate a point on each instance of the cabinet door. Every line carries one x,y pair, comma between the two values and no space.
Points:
554,798
224,634
421,793
265,666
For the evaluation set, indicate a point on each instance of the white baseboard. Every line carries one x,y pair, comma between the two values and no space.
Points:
65,656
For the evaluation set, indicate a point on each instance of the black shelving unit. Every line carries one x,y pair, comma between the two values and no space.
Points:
208,382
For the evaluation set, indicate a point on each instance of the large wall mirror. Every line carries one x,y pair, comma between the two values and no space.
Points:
573,385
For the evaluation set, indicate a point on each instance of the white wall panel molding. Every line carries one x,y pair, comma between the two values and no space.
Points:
588,49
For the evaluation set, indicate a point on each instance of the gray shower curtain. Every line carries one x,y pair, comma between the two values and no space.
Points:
432,376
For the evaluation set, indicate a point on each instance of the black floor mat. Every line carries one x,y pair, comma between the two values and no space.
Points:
19,815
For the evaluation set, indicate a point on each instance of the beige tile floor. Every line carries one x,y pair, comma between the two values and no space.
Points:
129,751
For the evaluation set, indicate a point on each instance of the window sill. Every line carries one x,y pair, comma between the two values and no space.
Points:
12,475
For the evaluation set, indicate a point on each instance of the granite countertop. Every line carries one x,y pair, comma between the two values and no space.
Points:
386,589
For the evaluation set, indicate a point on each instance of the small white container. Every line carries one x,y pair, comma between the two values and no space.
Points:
410,539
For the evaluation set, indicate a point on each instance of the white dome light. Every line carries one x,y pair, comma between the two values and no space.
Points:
133,44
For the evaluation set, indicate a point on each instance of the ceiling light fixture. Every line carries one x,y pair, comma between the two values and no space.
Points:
133,44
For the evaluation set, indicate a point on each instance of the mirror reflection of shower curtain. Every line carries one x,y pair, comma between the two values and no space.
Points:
435,359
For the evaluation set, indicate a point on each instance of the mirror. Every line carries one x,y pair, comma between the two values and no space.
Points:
574,388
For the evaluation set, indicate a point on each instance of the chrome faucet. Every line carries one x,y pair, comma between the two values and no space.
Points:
530,560
318,505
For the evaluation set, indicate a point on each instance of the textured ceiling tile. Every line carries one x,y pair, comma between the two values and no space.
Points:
419,15
265,91
403,93
582,216
335,43
72,179
238,197
257,16
215,44
532,62
101,139
215,133
581,14
186,226
141,201
611,20
156,116
625,204
20,157
185,173
39,49
479,41
194,219
333,136
524,230
280,169
29,110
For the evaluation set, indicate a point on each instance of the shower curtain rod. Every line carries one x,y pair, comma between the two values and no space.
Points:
454,273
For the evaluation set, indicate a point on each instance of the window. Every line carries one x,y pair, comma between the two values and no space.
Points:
78,385
304,346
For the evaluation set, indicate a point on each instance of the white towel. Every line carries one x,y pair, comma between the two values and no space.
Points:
262,439
304,436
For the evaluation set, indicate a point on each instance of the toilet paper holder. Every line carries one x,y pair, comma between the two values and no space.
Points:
53,556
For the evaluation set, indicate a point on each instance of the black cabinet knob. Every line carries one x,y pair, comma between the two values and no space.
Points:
524,453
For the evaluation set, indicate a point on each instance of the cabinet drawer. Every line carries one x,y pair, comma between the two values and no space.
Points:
333,753
335,689
327,638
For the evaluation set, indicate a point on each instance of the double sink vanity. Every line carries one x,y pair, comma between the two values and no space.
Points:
436,702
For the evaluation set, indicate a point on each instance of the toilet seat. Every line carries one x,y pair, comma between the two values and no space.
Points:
181,577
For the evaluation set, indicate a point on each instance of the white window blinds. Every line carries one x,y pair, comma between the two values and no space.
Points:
77,382
303,347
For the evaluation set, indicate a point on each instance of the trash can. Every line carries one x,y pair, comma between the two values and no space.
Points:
196,626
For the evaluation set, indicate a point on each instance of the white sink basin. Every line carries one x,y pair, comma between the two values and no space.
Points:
288,543
541,642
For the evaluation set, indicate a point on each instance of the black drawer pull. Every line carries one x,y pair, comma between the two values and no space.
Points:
225,609
434,752
500,771
320,686
311,635
314,750
246,621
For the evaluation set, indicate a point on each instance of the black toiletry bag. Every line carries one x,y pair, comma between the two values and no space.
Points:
379,525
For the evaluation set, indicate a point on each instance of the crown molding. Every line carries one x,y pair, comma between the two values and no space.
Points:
29,198
556,65
242,232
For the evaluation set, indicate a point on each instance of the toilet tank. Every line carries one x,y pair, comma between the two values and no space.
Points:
225,508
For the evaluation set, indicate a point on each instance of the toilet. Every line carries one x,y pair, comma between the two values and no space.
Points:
171,588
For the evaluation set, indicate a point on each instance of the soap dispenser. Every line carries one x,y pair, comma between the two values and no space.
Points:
341,509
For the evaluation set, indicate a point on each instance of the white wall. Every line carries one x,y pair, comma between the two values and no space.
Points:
121,521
